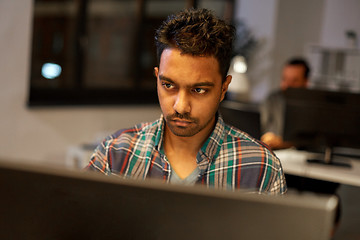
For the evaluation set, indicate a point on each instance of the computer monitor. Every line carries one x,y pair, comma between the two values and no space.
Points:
47,203
321,120
244,116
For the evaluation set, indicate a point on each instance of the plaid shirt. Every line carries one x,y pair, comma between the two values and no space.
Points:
229,159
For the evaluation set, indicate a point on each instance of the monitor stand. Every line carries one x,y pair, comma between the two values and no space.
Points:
329,159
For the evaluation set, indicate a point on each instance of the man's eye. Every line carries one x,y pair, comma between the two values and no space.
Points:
199,90
167,85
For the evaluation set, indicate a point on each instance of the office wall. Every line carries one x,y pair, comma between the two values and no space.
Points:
260,16
44,134
299,24
284,28
340,16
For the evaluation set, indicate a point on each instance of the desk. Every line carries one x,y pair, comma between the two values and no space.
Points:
294,163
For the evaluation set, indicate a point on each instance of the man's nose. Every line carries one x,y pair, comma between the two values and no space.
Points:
182,103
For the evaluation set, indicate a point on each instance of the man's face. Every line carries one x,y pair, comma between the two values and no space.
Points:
190,90
293,76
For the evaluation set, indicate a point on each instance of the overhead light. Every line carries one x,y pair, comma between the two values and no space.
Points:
51,70
239,64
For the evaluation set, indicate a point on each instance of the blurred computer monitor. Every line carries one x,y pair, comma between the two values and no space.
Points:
244,116
322,120
47,203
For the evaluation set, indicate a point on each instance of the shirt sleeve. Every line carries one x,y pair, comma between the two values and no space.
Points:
279,184
99,161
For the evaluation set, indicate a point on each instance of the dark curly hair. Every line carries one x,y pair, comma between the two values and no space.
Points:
197,32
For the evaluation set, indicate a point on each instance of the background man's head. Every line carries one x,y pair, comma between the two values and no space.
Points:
197,32
295,74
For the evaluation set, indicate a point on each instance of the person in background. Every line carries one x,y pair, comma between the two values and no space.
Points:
295,74
190,143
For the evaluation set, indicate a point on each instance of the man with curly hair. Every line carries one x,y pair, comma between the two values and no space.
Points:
190,143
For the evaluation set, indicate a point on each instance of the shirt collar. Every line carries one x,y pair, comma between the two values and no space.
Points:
160,133
212,146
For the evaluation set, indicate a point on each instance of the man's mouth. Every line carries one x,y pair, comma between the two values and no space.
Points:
181,122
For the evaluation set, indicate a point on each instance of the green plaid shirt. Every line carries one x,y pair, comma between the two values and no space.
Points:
229,159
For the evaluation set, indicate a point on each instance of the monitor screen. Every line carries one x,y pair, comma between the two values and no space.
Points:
322,120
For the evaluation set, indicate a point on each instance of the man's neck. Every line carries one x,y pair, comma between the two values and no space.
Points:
189,144
182,151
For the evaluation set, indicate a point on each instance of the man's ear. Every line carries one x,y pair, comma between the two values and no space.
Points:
156,71
225,86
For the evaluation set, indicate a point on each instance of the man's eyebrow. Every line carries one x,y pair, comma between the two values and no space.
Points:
204,84
162,77
200,84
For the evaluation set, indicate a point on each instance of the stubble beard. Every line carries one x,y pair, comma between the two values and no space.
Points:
188,131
